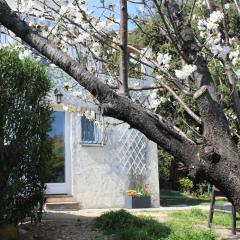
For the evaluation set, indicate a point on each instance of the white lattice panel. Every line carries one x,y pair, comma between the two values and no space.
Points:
132,151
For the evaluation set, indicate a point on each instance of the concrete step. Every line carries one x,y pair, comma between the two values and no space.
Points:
61,202
59,198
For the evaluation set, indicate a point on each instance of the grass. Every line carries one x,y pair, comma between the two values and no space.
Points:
166,192
198,217
171,198
181,226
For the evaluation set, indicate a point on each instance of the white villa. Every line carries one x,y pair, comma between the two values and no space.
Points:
94,164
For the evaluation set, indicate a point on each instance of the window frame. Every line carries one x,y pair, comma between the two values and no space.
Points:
98,132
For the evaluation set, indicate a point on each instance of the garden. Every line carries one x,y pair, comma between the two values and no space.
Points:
185,56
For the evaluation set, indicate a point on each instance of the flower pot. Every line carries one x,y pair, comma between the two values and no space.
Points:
137,202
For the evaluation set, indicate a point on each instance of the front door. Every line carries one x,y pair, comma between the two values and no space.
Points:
58,164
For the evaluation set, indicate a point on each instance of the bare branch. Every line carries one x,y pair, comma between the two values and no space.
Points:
191,13
123,81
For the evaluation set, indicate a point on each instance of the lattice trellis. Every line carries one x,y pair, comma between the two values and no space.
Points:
132,151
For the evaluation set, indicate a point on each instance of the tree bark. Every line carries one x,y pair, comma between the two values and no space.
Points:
123,77
215,158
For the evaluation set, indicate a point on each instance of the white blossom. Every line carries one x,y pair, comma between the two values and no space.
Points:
212,23
25,54
163,59
234,54
90,115
227,6
26,5
66,84
162,99
202,25
76,94
63,9
153,94
133,61
216,16
225,51
186,71
65,108
238,73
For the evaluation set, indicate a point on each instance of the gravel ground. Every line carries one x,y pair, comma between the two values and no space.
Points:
61,227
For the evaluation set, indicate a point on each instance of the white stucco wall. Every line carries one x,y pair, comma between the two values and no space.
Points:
98,178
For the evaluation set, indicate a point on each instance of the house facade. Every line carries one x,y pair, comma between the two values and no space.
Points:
100,162
96,159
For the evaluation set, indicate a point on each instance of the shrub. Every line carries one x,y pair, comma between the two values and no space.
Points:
24,122
126,226
186,184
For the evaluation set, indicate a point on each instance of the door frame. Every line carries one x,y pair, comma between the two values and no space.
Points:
65,187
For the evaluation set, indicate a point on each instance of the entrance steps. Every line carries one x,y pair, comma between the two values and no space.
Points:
61,202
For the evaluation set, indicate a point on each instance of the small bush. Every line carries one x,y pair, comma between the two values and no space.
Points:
186,184
125,226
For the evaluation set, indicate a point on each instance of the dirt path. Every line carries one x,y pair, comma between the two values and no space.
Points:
62,227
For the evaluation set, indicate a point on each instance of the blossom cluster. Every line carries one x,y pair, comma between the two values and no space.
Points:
235,58
212,23
209,30
164,60
186,71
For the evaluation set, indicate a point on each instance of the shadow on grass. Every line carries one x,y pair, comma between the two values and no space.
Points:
172,198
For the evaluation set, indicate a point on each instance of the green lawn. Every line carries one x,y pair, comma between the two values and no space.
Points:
171,198
181,225
199,217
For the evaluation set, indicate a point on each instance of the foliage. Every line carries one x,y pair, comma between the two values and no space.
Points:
186,184
24,148
125,226
164,166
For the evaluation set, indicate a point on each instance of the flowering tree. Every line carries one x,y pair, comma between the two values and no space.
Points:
200,38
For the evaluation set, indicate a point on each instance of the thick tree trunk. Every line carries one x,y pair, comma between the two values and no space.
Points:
215,157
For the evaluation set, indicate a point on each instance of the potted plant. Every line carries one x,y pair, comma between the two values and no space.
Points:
138,198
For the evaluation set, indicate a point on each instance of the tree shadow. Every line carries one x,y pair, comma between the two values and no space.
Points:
175,198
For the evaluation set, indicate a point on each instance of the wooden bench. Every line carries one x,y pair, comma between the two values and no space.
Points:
226,208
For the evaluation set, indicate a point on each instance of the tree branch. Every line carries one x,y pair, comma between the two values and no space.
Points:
155,127
123,81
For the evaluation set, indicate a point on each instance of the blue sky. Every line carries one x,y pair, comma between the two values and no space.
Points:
132,8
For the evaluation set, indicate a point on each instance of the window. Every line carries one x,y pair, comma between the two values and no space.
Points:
92,133
57,160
